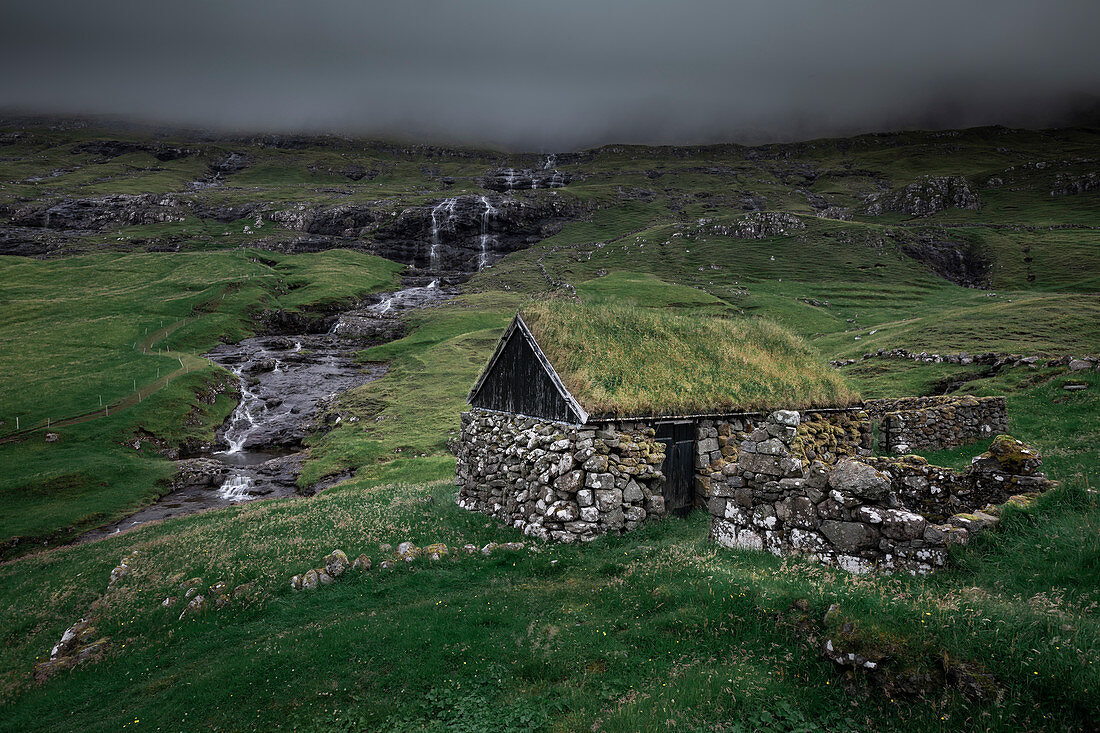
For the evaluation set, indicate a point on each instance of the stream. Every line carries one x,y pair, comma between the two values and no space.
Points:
285,382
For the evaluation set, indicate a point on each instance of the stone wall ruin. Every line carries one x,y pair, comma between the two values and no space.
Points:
911,424
863,514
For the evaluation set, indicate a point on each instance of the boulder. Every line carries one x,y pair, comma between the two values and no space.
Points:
408,551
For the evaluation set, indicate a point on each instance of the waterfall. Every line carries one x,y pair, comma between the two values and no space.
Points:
510,178
551,161
235,488
237,433
486,220
403,299
446,210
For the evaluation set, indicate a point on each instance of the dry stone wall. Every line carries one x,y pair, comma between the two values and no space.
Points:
862,514
559,482
721,443
933,423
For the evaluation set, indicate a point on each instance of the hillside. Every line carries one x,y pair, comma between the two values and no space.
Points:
131,258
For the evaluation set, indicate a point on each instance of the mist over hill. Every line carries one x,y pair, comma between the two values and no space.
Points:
560,76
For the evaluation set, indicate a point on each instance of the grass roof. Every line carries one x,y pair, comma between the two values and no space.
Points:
620,361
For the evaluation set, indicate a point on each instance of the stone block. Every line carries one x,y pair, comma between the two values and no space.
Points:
859,479
789,418
569,482
596,464
772,447
849,536
600,481
609,499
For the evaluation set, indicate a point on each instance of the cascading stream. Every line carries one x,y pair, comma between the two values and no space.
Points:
486,237
243,420
442,216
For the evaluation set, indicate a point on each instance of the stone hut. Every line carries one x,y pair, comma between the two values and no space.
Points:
592,419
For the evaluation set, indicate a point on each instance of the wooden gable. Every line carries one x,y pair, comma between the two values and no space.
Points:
520,379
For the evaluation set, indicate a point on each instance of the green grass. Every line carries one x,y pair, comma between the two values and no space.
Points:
621,360
625,633
86,332
414,409
657,629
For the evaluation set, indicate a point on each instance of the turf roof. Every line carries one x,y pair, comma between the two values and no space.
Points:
620,361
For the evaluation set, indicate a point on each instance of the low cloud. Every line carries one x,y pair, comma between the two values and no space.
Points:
560,75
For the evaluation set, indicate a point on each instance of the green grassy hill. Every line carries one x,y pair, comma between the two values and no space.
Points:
652,630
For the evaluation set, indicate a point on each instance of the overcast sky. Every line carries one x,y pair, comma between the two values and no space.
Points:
555,74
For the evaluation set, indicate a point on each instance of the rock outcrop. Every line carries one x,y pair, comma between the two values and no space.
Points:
924,196
468,232
513,179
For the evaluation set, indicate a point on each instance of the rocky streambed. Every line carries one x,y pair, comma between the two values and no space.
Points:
286,381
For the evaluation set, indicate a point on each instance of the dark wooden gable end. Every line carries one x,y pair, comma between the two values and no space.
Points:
520,379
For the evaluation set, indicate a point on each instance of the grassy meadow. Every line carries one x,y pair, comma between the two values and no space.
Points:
655,630
81,338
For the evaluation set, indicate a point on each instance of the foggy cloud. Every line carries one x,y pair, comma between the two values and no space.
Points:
555,74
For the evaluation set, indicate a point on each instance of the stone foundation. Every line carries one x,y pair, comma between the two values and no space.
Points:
567,483
933,423
559,482
862,514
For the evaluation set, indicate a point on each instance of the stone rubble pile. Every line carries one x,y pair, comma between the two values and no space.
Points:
760,225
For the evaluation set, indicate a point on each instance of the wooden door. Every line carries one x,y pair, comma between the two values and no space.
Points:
679,466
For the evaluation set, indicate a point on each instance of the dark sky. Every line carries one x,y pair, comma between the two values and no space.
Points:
555,74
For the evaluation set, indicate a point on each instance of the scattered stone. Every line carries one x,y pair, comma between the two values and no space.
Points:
336,562
407,551
436,551
362,563
196,607
310,580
